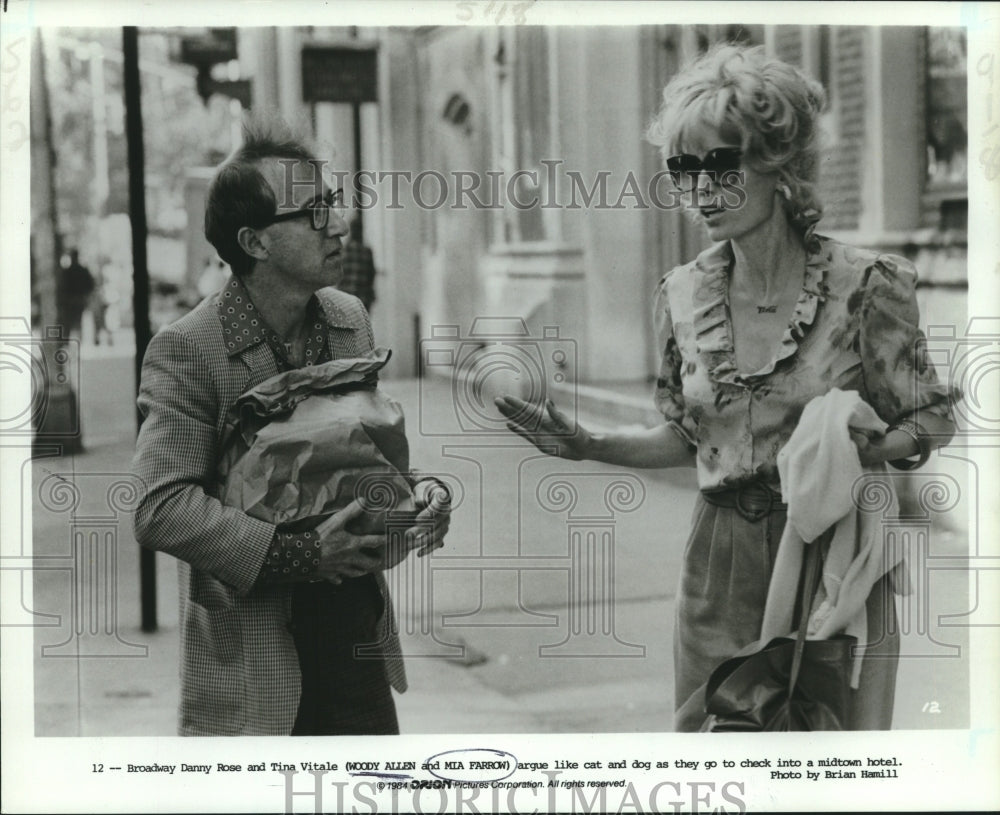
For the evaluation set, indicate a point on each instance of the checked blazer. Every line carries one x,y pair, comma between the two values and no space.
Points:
239,667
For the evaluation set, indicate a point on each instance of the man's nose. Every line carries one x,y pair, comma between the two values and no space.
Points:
336,225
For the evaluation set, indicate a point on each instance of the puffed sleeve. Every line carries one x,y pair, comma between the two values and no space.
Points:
669,395
899,375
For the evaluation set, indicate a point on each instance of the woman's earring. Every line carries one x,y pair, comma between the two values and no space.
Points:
786,191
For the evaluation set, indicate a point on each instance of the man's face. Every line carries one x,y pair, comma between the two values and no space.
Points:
305,258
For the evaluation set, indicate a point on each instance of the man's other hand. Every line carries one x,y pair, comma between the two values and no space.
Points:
344,554
434,502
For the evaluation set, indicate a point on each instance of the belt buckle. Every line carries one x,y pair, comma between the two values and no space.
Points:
754,515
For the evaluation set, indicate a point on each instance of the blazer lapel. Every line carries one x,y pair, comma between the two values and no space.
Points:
247,369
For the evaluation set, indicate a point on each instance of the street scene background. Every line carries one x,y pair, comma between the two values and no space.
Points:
551,607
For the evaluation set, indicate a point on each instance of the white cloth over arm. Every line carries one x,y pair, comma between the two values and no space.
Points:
820,472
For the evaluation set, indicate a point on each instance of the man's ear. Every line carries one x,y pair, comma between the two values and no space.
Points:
250,242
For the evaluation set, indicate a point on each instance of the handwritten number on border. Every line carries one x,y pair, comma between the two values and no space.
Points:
12,103
495,12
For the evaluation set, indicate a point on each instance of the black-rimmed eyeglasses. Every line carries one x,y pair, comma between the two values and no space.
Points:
317,210
685,168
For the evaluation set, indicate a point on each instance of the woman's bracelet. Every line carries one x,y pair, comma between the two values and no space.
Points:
920,436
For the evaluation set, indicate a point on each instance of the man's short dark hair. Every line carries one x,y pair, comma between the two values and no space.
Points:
239,195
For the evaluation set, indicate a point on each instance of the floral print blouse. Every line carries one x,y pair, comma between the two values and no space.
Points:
854,327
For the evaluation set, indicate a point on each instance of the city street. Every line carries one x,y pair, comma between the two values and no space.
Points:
764,226
549,610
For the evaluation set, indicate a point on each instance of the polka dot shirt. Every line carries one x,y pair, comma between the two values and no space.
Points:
243,326
293,556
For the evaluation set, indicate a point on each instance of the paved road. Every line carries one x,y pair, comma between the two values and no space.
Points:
550,610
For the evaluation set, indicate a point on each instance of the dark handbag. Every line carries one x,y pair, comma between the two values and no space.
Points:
789,684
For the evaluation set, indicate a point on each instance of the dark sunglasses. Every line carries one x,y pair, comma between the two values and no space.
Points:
685,168
318,210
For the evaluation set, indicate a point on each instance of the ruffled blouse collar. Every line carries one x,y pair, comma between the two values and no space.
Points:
712,321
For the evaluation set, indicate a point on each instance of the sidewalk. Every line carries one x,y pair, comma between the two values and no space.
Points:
124,681
502,630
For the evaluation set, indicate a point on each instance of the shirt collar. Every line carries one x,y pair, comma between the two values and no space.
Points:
243,326
712,322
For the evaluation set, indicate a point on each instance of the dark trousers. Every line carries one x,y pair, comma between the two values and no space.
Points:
342,694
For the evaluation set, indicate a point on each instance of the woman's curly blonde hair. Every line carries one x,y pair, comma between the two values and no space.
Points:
768,107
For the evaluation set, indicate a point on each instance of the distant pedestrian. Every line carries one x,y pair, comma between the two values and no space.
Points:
359,267
76,287
104,305
98,308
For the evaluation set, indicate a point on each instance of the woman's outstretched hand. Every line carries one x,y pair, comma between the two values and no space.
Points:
546,427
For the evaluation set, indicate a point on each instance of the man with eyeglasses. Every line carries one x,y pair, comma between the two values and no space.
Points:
270,620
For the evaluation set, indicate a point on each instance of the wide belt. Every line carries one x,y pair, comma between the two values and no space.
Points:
753,500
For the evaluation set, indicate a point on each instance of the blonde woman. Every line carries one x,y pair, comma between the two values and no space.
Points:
769,317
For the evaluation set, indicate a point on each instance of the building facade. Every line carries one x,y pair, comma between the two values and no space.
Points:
535,134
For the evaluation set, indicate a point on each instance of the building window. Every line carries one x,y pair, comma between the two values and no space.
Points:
824,57
524,111
737,33
947,112
819,55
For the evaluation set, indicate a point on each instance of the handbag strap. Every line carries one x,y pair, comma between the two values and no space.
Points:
810,574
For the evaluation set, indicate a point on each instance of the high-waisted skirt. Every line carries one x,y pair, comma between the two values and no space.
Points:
720,607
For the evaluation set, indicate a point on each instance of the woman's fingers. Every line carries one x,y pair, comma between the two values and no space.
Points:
517,409
544,426
507,406
557,416
508,403
526,418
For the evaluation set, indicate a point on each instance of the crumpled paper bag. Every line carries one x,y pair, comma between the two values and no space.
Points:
307,442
